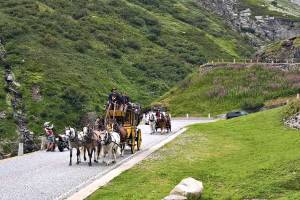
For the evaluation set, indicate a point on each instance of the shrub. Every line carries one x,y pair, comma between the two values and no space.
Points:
75,98
80,14
49,41
133,44
137,21
115,54
82,46
291,109
252,103
152,37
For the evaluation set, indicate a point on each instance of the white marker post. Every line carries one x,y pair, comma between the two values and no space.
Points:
21,149
187,116
298,96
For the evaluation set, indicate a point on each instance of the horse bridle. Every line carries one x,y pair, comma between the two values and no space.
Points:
73,139
108,139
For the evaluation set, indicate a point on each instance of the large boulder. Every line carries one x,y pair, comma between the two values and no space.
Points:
175,197
189,188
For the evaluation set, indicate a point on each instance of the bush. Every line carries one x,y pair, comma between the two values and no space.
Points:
252,104
82,46
115,54
133,44
49,41
291,109
137,21
74,98
80,14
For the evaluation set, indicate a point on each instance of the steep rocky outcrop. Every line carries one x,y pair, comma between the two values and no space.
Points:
25,135
259,28
281,51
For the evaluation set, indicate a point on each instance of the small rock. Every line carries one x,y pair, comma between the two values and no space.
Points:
189,187
175,197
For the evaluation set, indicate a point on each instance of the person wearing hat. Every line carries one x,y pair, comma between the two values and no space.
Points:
48,127
114,97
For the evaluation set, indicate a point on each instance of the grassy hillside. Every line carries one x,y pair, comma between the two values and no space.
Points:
278,8
73,52
227,88
252,157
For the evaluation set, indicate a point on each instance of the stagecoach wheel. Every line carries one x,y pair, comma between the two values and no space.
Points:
132,147
60,146
139,139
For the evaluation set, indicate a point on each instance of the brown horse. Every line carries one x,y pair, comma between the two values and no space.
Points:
123,136
90,143
161,123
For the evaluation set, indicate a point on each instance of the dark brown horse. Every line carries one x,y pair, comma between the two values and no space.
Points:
161,123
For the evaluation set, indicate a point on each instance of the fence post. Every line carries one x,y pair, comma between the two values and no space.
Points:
298,96
234,60
21,149
187,115
208,115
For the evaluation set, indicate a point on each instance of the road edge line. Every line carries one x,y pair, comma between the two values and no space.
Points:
91,188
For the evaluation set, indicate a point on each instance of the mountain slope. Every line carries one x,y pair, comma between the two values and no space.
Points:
66,55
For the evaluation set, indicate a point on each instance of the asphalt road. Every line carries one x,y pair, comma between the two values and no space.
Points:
47,175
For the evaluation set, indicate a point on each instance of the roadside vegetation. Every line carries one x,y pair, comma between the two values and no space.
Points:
224,89
74,52
252,157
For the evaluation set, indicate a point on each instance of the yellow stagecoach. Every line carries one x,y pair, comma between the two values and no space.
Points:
127,117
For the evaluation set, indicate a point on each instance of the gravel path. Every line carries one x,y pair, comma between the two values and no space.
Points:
47,175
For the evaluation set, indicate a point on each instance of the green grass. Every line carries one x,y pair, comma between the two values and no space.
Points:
75,52
227,88
252,157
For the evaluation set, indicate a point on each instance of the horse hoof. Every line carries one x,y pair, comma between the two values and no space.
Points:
70,164
90,164
95,161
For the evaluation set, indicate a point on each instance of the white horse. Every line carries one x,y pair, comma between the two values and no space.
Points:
110,147
75,141
152,123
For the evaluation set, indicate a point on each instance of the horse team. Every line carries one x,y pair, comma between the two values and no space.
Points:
159,120
104,145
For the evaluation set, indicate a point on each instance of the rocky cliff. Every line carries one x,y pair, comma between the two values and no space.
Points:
261,22
282,51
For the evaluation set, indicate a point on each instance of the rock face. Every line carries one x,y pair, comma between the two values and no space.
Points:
293,122
258,28
189,188
282,51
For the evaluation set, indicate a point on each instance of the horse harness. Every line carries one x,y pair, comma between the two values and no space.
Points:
109,139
